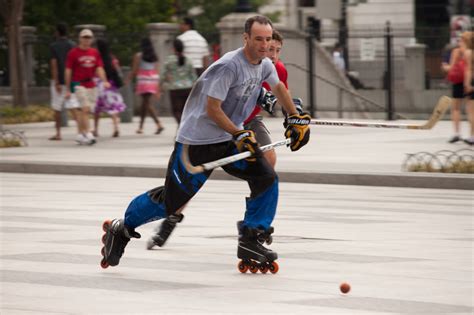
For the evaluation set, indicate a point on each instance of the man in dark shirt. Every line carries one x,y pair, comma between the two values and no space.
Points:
58,49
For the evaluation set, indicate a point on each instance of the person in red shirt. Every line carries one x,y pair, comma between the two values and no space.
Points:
83,63
255,121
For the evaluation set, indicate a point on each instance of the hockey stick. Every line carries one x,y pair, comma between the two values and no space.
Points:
224,161
443,104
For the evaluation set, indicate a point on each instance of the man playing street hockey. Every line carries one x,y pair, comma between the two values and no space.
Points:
266,101
212,127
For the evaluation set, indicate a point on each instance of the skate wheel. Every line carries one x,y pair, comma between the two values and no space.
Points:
253,268
274,267
269,240
105,225
104,238
103,263
263,269
242,267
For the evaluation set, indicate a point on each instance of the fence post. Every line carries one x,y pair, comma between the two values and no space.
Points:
127,93
388,72
339,103
312,107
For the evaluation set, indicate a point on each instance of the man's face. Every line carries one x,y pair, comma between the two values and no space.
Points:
183,27
274,51
258,42
85,41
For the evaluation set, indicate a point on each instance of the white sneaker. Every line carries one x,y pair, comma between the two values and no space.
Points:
81,139
90,138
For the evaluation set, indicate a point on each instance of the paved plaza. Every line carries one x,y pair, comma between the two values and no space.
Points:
334,155
403,250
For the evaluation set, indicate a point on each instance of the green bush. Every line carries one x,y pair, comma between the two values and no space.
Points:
19,115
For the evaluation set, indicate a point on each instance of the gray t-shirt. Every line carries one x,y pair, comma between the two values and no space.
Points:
234,81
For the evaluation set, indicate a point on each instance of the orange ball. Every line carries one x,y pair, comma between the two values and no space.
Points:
345,287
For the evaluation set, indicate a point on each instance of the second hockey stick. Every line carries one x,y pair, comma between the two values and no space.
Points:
443,104
224,161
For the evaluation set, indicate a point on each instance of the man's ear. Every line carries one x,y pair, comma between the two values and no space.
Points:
245,37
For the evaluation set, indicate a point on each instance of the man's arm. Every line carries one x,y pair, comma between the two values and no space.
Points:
215,112
54,74
284,98
67,81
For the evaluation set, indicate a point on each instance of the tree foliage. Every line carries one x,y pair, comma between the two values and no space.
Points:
119,16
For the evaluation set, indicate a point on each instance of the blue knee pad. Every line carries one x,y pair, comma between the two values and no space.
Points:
143,210
261,210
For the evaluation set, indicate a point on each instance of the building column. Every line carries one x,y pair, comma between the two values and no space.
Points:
415,66
162,36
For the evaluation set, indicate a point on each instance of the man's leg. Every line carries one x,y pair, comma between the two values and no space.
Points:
259,214
262,135
57,101
181,186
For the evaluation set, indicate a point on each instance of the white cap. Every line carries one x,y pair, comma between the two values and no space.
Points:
86,32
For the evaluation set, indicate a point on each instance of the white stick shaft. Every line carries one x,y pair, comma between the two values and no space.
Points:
341,123
243,155
443,104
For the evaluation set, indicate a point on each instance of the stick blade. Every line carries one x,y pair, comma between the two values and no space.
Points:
442,106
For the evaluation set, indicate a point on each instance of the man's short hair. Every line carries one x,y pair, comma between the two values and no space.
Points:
61,28
189,21
257,18
277,36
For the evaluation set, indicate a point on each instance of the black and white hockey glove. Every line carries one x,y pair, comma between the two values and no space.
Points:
266,100
245,141
299,108
298,130
298,104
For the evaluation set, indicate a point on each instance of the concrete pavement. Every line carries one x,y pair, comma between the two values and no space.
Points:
403,250
335,155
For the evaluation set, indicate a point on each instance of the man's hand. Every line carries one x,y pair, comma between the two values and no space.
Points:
298,130
245,141
266,100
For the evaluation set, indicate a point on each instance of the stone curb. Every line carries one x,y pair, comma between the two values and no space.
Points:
413,180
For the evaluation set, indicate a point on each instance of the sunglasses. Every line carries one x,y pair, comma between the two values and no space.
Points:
87,37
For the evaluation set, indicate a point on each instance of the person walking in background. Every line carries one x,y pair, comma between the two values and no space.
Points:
178,78
468,38
110,100
455,71
195,46
83,63
338,59
59,50
145,68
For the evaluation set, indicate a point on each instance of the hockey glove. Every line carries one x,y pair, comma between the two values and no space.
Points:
298,130
266,100
298,104
245,141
